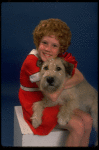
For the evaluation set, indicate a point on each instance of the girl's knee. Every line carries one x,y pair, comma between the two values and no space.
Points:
88,121
76,125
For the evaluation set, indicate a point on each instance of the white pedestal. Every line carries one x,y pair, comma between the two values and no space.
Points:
23,135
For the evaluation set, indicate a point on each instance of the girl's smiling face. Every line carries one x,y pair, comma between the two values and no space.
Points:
48,47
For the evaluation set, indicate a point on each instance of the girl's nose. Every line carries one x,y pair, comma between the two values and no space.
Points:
48,48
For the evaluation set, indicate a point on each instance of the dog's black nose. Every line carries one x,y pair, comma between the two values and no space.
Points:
50,80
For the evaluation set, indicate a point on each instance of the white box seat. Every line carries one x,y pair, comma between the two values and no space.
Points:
23,135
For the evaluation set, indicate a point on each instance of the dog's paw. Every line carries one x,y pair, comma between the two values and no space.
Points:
63,120
36,122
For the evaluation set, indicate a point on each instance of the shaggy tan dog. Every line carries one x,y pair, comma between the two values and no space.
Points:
83,96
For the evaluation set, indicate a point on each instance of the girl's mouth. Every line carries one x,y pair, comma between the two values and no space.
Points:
46,55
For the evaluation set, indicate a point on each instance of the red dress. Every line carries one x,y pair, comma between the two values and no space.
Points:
29,93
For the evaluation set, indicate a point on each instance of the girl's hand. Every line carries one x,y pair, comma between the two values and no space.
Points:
52,96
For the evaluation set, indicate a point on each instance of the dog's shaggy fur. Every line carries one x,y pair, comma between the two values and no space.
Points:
83,96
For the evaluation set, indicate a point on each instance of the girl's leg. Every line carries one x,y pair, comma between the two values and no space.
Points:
87,121
76,131
79,127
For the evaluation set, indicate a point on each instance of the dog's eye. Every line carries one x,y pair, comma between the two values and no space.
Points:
45,68
58,68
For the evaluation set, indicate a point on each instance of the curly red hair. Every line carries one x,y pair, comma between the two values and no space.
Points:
53,27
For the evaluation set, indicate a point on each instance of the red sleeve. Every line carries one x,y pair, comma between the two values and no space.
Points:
30,64
28,68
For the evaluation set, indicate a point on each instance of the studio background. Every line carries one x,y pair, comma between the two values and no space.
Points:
18,21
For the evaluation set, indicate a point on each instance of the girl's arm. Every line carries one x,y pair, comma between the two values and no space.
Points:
76,79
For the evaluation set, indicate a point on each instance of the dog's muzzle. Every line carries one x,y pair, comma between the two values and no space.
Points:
50,84
50,81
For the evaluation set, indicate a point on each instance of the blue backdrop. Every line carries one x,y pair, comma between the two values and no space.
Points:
18,21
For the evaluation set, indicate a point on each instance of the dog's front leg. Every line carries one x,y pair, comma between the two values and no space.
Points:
37,114
66,112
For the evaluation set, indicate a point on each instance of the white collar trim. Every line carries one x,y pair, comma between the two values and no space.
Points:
34,52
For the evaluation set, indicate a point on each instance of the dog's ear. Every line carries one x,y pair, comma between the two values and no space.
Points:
39,62
68,67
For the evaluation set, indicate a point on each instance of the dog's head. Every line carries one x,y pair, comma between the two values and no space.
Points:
53,73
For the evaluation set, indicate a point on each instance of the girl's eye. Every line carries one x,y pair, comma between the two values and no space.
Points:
54,45
44,42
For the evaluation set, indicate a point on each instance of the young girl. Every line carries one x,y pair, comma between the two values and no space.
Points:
52,37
